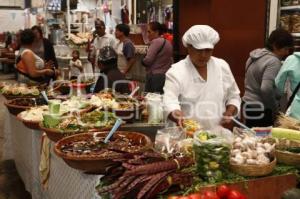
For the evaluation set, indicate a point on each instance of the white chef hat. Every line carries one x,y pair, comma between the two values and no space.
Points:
201,37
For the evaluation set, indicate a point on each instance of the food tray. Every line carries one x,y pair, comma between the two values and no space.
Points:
29,123
97,163
16,109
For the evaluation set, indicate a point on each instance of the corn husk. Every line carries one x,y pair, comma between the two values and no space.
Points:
287,122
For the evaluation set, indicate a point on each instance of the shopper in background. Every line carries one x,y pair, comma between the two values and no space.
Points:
43,47
101,39
107,63
31,68
158,58
290,72
201,86
124,48
75,65
260,99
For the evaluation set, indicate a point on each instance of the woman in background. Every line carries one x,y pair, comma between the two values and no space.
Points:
158,58
261,101
290,71
43,47
31,68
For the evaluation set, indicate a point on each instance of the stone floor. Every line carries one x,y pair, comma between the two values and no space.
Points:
11,185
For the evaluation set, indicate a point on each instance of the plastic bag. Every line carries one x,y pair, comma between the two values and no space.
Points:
167,139
212,154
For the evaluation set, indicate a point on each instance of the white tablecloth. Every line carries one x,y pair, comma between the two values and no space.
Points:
24,145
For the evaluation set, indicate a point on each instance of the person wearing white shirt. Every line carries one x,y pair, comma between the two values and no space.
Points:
101,40
75,65
201,86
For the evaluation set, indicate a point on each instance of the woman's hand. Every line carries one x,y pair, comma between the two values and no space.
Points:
177,117
49,64
230,112
48,72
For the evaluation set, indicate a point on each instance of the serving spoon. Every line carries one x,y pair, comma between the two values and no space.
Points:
242,125
133,92
45,96
112,131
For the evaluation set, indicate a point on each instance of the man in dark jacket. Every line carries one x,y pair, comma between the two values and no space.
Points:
107,63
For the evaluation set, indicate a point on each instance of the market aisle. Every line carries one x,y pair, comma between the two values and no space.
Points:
11,185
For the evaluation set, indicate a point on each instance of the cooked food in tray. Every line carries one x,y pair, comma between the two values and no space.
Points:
19,90
91,120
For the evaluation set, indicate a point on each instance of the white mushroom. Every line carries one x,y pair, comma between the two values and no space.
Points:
260,150
237,160
237,139
250,142
234,152
246,155
262,159
251,161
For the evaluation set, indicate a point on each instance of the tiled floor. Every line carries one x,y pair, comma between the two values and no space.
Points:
11,185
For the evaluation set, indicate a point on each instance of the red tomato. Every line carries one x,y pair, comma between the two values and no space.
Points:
196,196
210,195
233,194
222,191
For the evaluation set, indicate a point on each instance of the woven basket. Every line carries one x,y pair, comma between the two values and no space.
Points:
287,157
96,163
253,170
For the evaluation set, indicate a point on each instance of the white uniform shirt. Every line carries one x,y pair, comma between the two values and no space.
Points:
202,100
100,42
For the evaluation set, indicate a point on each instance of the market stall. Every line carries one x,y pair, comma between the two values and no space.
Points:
75,164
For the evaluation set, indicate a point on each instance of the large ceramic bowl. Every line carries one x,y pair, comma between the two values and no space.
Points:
97,161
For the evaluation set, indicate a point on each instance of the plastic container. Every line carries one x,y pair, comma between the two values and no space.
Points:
154,108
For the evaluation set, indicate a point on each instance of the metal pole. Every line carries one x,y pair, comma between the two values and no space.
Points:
68,18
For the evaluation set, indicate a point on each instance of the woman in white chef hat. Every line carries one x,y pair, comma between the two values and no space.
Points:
201,87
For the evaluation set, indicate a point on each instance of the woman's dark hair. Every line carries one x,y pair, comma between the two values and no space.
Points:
280,38
156,26
38,28
124,28
27,37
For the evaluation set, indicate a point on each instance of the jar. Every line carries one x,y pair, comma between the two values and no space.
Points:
78,89
285,22
286,2
295,2
295,23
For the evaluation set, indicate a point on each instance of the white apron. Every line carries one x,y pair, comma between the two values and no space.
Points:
205,101
122,61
